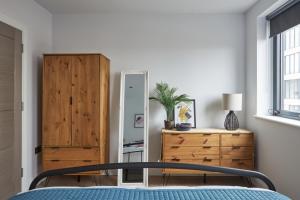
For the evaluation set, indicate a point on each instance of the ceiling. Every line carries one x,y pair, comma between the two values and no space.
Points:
146,6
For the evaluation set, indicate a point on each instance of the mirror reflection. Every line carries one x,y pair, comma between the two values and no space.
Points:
133,131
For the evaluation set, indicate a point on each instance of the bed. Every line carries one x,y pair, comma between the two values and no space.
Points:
155,193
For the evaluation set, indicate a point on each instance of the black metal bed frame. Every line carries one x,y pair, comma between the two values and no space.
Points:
148,165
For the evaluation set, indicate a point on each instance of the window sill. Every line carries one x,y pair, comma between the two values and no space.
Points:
281,120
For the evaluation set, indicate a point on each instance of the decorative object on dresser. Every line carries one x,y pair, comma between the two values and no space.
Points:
214,147
165,95
185,112
75,110
232,102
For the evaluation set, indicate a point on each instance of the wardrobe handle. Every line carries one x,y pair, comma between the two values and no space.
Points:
71,100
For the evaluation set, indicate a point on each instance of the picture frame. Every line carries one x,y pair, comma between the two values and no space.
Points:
185,112
139,121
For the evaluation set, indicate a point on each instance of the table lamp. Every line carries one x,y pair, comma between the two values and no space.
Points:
232,102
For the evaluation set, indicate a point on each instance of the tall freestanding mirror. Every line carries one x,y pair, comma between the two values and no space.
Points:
133,127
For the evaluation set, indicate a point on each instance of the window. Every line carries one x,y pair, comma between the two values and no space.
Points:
287,73
285,32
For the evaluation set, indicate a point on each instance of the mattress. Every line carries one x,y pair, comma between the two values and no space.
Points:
182,193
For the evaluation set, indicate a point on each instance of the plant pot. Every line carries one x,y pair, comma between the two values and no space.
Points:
169,124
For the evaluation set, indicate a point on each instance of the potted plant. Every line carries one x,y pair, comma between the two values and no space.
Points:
167,97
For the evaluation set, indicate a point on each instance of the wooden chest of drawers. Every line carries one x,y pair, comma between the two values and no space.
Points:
214,147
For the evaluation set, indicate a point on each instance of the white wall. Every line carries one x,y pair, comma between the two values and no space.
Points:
202,55
277,144
36,25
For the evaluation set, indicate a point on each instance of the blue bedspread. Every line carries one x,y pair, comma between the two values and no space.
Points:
149,194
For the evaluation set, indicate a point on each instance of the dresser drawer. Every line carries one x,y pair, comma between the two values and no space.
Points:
237,163
236,140
71,154
191,140
182,152
237,152
209,162
57,164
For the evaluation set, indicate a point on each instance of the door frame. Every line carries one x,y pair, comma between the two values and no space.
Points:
25,143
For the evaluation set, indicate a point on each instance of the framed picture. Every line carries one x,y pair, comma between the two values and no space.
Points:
184,112
139,121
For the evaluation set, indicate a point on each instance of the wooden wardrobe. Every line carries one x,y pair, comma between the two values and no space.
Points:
75,118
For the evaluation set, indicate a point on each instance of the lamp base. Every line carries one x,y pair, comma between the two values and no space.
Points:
231,121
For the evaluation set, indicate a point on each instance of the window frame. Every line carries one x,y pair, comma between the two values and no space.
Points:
278,79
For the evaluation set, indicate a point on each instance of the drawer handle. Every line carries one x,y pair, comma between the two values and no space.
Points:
55,160
175,133
176,159
236,134
87,161
181,140
206,147
207,134
236,147
174,147
207,160
205,141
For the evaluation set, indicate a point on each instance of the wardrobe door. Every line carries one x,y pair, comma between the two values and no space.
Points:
57,90
86,100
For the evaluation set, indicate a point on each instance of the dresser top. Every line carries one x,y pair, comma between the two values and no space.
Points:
208,130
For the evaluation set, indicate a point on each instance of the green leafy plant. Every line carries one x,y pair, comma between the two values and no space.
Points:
165,95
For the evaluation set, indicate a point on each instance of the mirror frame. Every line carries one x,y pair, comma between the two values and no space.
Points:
146,126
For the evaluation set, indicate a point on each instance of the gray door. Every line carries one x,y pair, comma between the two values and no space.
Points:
10,110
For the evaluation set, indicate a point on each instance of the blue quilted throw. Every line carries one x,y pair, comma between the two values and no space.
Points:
115,193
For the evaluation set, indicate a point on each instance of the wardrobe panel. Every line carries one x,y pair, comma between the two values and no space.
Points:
57,91
86,100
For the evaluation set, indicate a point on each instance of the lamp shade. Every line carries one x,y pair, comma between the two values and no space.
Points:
233,102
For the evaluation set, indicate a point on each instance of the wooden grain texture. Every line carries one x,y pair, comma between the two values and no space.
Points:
71,153
86,100
238,163
10,110
57,164
192,140
215,162
7,73
88,79
208,146
57,90
237,140
7,31
17,176
237,152
104,108
208,131
170,152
